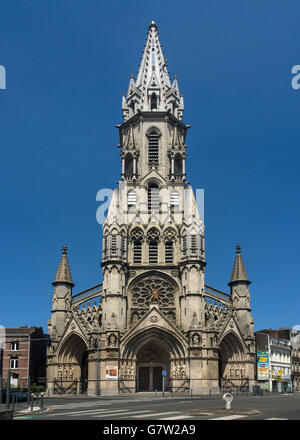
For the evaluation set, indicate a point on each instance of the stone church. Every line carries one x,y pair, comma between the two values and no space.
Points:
153,323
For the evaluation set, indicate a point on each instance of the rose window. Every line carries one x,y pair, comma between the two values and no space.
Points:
142,290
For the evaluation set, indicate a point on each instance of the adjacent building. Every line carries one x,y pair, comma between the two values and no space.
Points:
295,341
24,355
274,360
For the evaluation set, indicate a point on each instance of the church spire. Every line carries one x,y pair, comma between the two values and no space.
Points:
63,274
153,90
239,272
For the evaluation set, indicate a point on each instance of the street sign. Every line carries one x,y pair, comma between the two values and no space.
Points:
164,373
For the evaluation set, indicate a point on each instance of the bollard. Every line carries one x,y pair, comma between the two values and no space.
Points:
228,399
42,400
31,404
13,403
156,393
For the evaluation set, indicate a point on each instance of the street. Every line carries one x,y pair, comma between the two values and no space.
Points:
276,407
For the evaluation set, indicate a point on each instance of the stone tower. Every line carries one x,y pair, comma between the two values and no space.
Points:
155,314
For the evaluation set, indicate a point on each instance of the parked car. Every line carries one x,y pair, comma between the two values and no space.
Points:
19,396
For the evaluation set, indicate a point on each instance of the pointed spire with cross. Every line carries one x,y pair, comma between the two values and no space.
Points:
63,274
239,272
153,90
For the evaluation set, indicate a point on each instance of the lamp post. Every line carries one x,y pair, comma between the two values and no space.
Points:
98,364
8,390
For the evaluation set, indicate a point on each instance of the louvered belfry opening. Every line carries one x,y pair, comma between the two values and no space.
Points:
137,252
193,244
153,141
113,244
153,197
169,252
153,237
153,252
131,198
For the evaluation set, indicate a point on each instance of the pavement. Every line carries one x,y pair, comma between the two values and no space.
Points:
147,407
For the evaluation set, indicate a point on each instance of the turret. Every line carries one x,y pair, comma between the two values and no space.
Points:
240,294
62,296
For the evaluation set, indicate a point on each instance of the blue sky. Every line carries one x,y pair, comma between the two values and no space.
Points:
67,63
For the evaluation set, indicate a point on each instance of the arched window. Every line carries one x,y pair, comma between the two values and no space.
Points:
153,101
136,237
153,140
153,197
128,166
178,165
123,244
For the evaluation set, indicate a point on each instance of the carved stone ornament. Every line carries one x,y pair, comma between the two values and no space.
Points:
112,355
154,318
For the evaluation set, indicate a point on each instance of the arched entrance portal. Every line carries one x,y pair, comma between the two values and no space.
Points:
147,353
72,373
232,358
152,359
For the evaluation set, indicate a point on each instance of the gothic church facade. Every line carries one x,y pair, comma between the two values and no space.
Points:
153,316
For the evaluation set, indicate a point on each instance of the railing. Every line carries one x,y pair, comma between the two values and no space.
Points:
231,386
98,289
184,387
123,388
217,294
87,294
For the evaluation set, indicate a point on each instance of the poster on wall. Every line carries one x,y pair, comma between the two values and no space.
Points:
262,365
112,372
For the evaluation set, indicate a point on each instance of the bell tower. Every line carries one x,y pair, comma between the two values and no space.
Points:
153,236
153,223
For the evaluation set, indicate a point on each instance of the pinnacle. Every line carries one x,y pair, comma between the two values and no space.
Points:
239,272
63,274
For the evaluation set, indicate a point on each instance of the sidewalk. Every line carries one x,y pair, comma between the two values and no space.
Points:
22,408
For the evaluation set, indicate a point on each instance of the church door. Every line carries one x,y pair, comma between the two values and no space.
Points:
84,372
157,378
144,376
